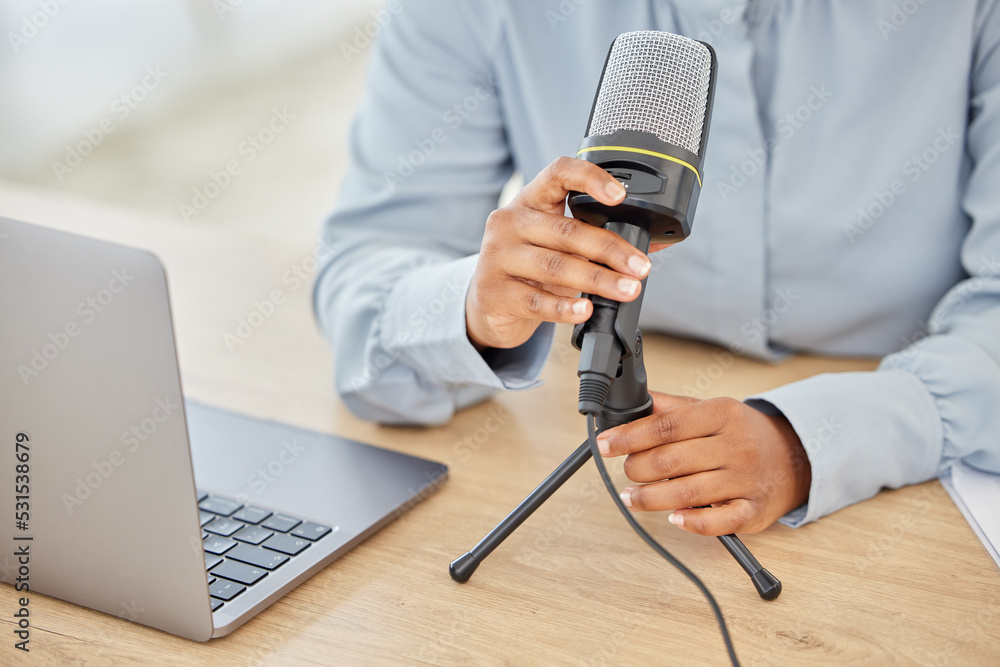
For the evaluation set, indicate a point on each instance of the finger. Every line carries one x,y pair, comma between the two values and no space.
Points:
551,186
574,237
734,516
704,488
663,402
693,420
677,460
657,247
558,268
537,304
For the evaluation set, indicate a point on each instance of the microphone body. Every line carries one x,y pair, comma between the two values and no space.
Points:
648,128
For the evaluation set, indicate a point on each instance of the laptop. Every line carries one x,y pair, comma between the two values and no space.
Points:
125,498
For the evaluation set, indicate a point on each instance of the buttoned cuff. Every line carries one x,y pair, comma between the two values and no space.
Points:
861,432
423,322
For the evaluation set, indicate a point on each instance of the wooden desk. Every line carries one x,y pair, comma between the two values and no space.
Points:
900,579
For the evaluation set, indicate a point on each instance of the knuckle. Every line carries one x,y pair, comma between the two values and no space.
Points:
534,303
561,308
731,408
565,229
612,246
640,498
695,522
594,274
663,462
687,494
498,217
553,263
561,165
664,428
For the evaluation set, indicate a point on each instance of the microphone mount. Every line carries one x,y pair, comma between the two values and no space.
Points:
614,336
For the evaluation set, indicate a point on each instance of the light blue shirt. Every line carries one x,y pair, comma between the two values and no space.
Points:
851,206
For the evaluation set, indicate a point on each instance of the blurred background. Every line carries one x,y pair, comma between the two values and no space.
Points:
145,104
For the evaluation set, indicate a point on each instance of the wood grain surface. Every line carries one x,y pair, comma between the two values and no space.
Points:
898,579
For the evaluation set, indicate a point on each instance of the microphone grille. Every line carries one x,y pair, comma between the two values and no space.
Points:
655,82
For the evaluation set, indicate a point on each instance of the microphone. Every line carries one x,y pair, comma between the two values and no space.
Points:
648,128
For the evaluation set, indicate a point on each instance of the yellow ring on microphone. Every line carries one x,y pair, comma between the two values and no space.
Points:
629,149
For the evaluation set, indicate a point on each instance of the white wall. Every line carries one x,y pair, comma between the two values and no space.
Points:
64,63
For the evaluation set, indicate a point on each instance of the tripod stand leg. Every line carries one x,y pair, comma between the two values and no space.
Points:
767,585
461,568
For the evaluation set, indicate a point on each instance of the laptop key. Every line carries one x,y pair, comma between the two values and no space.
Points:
269,560
205,517
244,574
216,603
286,544
217,505
311,531
201,495
211,560
253,534
217,544
223,526
281,523
225,590
250,514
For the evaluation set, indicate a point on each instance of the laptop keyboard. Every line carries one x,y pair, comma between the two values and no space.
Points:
244,543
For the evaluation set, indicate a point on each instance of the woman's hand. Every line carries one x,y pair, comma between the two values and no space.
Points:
535,261
750,467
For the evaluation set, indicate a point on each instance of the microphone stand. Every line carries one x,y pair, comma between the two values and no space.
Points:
627,401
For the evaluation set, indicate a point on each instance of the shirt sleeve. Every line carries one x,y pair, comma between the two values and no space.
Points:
938,400
428,159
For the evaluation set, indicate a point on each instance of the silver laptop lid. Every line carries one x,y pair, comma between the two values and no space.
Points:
88,372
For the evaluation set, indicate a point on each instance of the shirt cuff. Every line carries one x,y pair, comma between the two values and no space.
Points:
423,324
861,431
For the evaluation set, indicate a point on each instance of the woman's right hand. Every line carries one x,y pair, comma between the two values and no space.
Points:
535,261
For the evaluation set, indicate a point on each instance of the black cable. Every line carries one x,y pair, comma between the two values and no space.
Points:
657,547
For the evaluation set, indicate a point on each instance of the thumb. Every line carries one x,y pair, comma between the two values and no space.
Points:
663,402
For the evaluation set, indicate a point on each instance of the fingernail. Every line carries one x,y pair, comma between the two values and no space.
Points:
580,307
639,265
603,446
628,286
626,497
676,519
614,190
